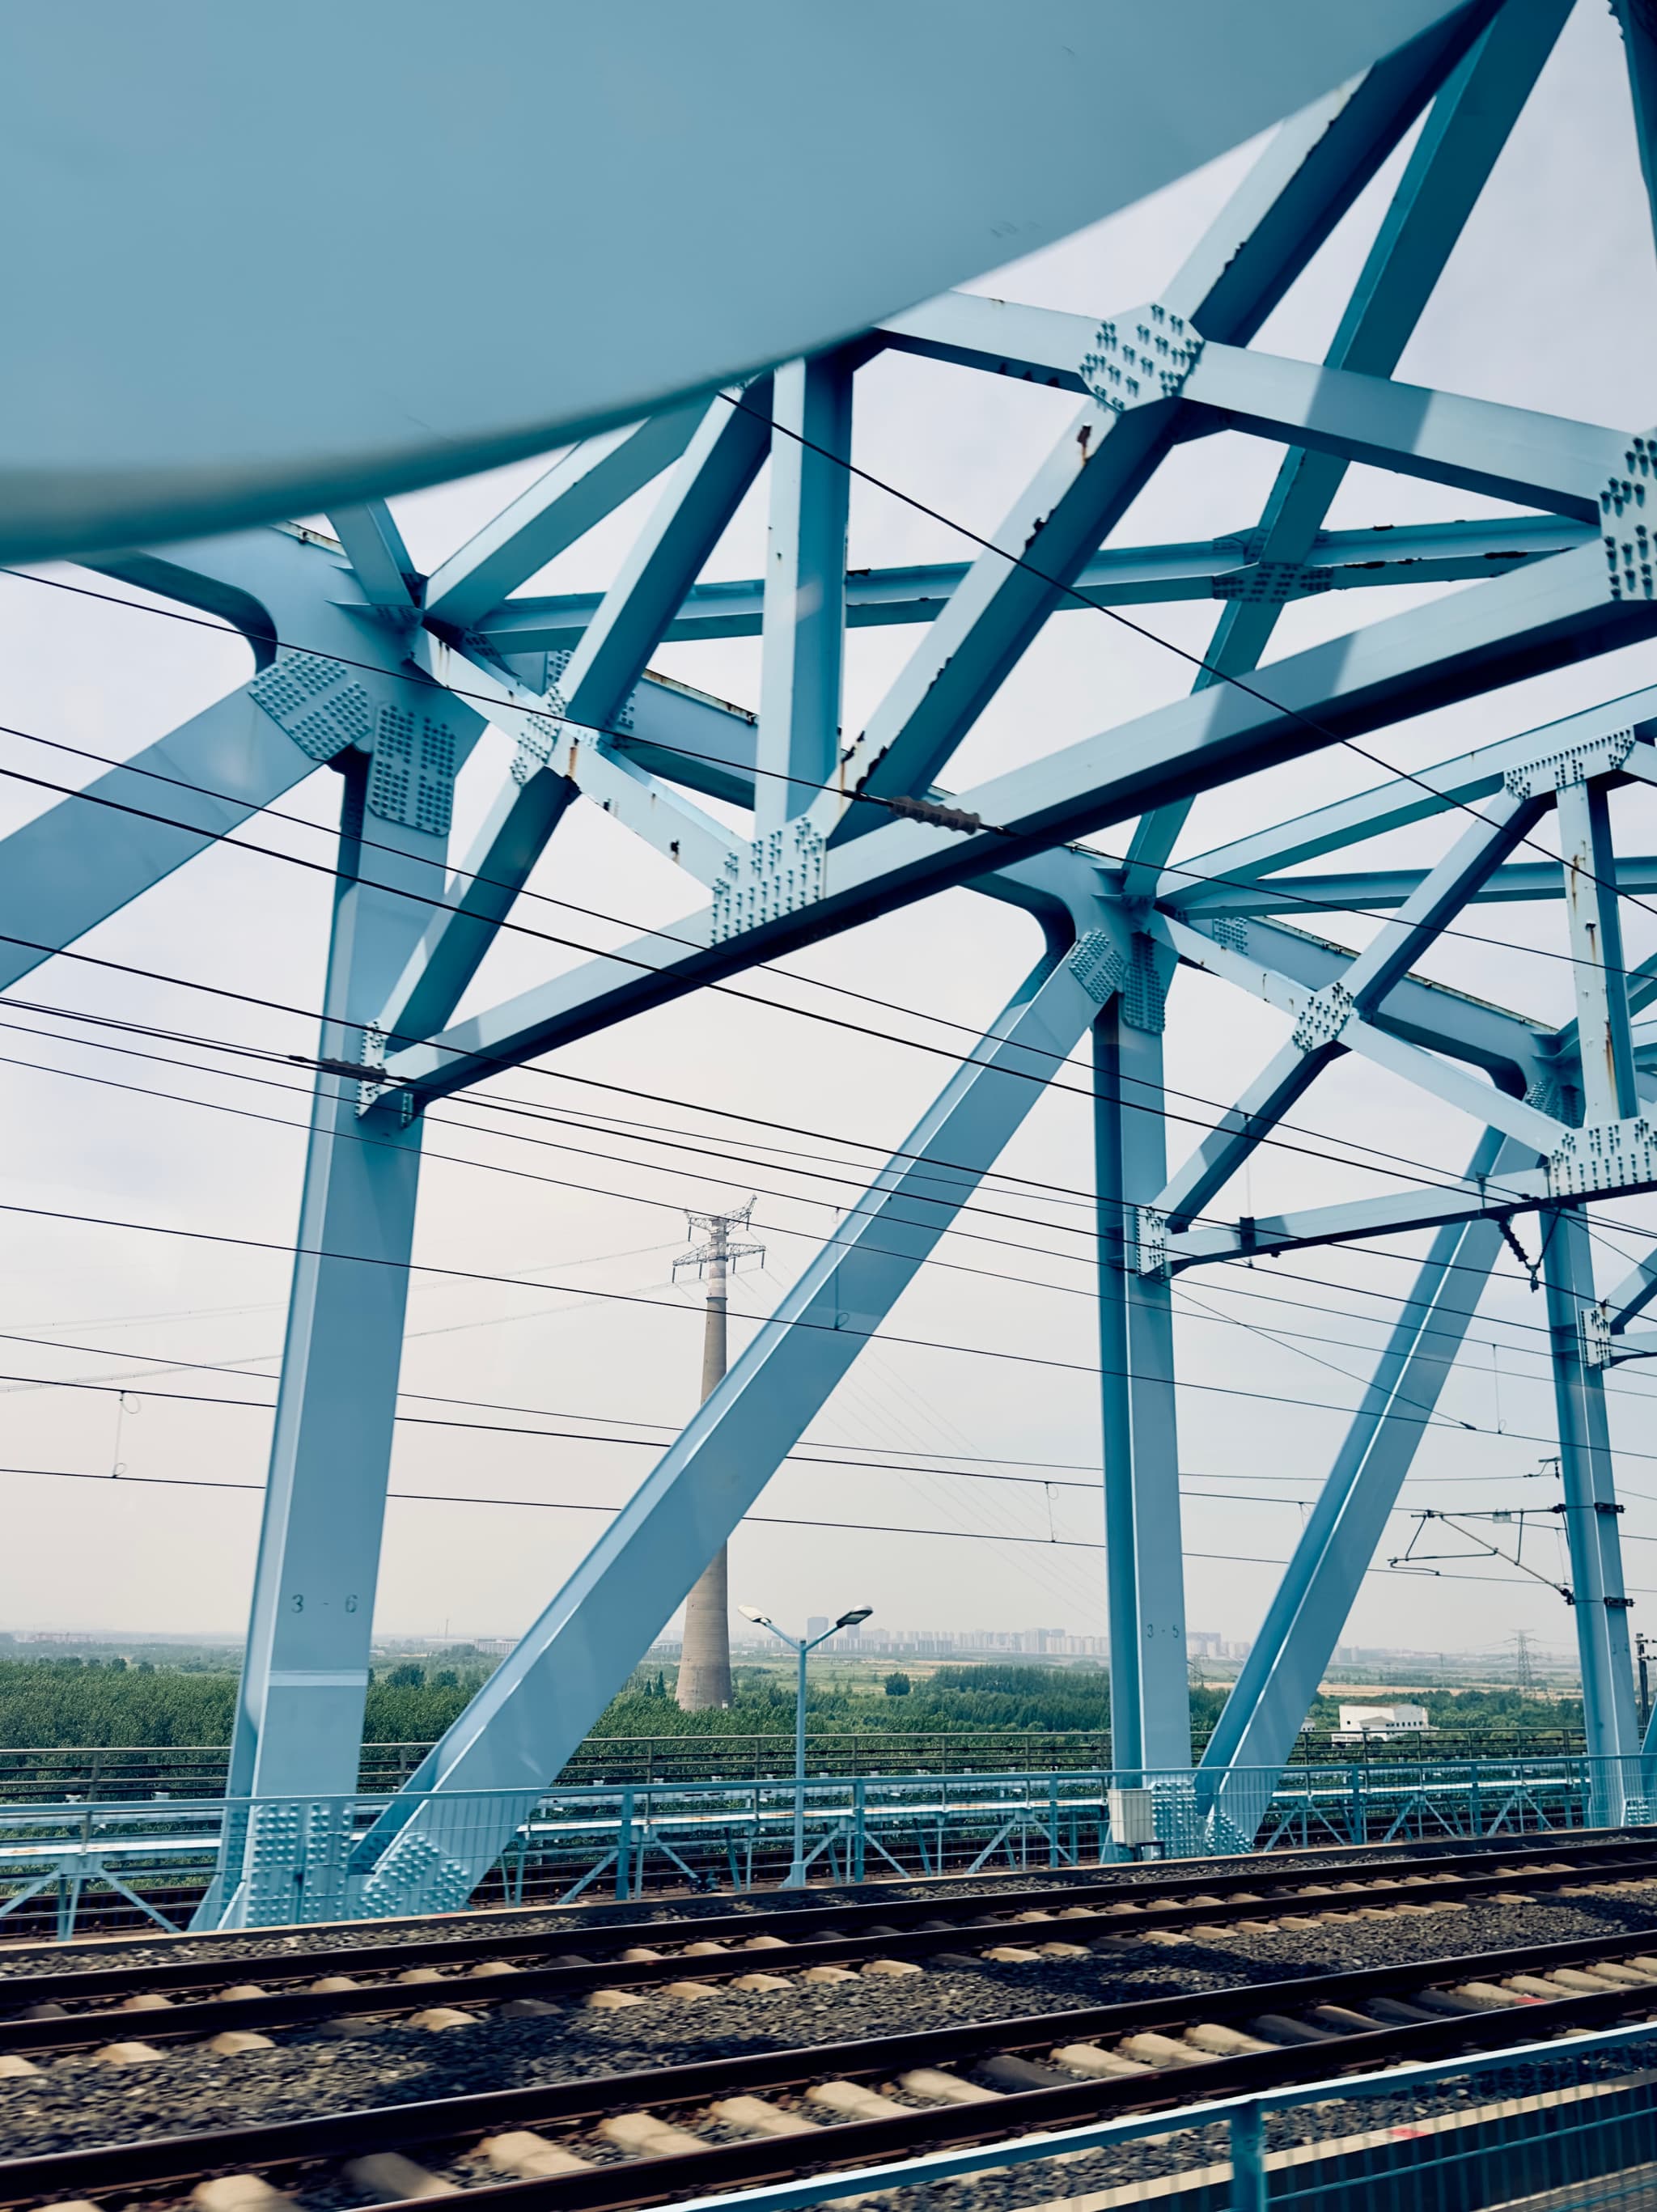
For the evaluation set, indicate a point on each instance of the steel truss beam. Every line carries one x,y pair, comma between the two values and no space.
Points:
1225,569
1278,1680
1150,1696
1375,889
1515,626
354,648
537,1708
1242,266
1591,1510
303,1681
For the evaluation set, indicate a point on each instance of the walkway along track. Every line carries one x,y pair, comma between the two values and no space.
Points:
843,2104
628,1955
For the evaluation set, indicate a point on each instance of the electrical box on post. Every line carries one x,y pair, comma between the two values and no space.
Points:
1133,1822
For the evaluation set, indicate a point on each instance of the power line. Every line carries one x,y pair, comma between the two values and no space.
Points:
1524,1201
1435,1419
817,1458
530,1109
1417,1168
759,1520
1211,668
1000,1275
1409,1170
1275,706
170,1363
976,1351
671,1138
1279,885
455,873
1283,1337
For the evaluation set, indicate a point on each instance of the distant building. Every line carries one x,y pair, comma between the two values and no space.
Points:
817,1625
1359,1723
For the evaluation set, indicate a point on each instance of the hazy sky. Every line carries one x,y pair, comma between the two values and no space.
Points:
1548,303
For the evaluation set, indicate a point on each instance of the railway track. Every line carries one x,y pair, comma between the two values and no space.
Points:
201,1998
613,2141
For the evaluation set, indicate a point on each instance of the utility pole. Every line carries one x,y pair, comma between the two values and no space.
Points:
1527,1673
1641,1648
704,1683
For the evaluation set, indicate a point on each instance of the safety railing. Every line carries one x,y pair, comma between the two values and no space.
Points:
32,1773
1548,2126
68,1865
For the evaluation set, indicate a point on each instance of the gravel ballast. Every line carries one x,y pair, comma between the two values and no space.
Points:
76,2100
494,1923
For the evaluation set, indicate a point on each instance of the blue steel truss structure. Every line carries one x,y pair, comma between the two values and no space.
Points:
387,676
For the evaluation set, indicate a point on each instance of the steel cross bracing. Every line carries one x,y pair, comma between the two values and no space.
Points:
364,664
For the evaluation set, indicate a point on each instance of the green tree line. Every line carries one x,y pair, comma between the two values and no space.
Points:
56,1703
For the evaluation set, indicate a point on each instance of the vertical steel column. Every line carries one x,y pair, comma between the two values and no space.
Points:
1634,19
1150,1696
1610,1725
1605,1051
1605,1041
1262,1716
804,616
299,1722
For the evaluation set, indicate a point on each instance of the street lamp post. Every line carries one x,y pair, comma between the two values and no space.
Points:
803,1646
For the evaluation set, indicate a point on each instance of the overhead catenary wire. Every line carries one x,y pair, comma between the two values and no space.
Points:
635,1198
1523,1201
1091,1369
1001,1275
535,1111
1283,886
1280,886
1150,633
168,1363
1409,1170
1417,1168
761,1520
1440,1420
986,544
1443,1421
459,873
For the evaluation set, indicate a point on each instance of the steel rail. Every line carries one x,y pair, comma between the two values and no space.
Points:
100,2169
843,1935
872,1900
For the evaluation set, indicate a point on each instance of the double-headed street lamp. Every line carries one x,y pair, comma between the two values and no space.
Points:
804,1646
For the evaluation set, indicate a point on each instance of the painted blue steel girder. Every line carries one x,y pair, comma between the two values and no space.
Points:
1326,1023
1262,1718
1286,207
1459,140
1520,883
1149,1693
844,833
1517,625
1600,1607
539,1705
1224,567
1402,800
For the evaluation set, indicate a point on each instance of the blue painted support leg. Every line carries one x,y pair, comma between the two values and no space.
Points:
521,1728
1610,1724
1150,1699
299,1723
1263,1715
804,607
